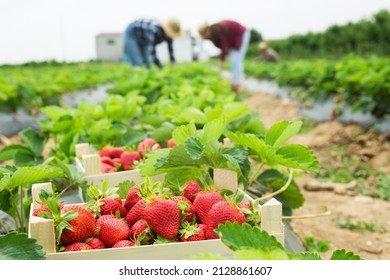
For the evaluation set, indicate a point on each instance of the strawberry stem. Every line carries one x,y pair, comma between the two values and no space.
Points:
282,189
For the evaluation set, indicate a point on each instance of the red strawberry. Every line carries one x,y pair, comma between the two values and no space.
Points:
78,246
192,233
132,198
191,190
107,160
203,203
95,243
117,162
209,233
106,168
163,217
112,231
111,206
127,159
220,213
116,152
147,145
136,212
83,226
103,218
171,143
44,208
105,152
139,227
245,205
123,244
187,209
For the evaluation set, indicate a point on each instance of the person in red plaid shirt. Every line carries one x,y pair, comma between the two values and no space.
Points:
233,39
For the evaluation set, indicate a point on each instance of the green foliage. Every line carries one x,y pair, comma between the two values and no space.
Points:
316,246
348,223
251,243
18,246
34,86
363,83
367,36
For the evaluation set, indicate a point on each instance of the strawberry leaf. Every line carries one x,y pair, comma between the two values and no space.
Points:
35,141
291,197
194,148
344,255
305,256
212,130
238,237
29,175
281,132
182,133
297,156
124,187
257,145
18,246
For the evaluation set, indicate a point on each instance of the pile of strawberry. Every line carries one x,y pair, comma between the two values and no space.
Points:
113,159
150,214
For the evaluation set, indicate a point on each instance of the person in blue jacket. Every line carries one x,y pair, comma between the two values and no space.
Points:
143,35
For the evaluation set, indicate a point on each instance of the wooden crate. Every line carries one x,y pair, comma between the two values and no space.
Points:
89,164
43,230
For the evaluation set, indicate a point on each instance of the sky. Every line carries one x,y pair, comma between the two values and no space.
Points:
65,30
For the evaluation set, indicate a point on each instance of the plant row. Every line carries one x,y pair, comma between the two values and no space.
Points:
363,83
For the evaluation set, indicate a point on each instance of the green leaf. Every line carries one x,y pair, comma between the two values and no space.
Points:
213,130
55,112
148,166
181,175
281,132
9,151
244,236
261,254
178,157
18,246
34,140
190,114
254,143
194,148
24,157
305,256
124,187
291,197
164,132
344,255
182,133
5,181
30,175
235,155
297,156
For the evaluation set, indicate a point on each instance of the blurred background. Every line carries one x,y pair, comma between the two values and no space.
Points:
88,30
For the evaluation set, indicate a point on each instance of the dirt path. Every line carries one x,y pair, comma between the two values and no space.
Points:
335,144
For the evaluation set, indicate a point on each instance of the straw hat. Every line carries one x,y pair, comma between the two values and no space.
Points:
202,29
263,46
171,27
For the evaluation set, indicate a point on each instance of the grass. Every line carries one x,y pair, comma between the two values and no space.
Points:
313,245
348,223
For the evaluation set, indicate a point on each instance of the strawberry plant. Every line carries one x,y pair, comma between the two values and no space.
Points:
251,243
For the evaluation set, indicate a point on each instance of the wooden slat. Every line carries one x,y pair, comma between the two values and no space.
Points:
36,190
82,149
91,163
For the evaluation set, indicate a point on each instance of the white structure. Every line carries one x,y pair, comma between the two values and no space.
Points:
109,46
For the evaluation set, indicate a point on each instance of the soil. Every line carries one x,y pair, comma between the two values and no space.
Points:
370,148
